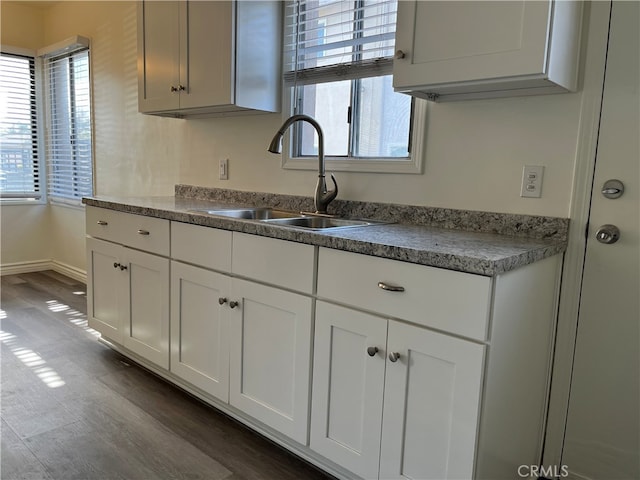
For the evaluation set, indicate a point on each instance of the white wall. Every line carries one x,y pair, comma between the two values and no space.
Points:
474,156
23,229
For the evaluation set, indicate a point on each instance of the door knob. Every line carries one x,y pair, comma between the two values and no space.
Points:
371,351
394,356
608,234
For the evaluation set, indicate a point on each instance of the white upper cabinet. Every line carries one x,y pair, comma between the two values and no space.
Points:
207,58
466,50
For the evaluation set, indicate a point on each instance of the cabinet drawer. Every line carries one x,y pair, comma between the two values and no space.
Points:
278,262
202,246
103,223
137,231
450,301
145,233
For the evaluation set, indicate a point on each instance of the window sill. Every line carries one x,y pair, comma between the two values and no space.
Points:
353,165
21,202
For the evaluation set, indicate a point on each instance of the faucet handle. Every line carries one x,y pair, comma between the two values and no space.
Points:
333,192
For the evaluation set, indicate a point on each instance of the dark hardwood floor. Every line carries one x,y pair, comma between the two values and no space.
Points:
75,409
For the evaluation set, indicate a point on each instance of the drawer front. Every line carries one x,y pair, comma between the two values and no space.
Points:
277,262
453,302
103,223
146,233
202,246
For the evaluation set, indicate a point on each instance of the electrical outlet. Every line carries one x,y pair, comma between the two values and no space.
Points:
223,169
532,181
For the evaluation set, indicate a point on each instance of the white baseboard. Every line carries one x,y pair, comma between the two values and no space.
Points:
69,271
40,265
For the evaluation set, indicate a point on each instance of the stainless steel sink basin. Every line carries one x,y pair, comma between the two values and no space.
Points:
321,223
250,213
273,216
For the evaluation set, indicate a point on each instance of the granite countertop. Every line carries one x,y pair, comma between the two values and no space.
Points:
474,242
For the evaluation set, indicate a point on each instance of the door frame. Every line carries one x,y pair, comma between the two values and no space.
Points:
593,62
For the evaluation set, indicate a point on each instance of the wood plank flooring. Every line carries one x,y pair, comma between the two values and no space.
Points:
75,409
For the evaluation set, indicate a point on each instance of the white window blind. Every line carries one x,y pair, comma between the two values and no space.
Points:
68,134
329,40
19,153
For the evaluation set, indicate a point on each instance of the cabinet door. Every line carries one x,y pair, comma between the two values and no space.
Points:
451,42
431,405
105,283
348,384
158,56
271,356
145,306
199,335
206,68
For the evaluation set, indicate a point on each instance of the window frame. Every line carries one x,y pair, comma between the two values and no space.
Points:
65,189
39,198
406,165
65,49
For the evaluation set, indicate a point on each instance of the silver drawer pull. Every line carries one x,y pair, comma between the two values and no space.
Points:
102,222
390,288
143,232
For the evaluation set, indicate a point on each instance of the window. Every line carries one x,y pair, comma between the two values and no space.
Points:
19,152
68,135
338,63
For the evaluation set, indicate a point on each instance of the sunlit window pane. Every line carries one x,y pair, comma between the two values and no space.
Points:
383,127
328,104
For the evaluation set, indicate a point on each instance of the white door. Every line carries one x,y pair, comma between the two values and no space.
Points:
603,423
431,405
158,55
145,306
206,68
270,346
492,40
199,328
348,384
104,282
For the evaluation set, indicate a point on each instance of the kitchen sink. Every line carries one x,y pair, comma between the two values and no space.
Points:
259,213
273,216
320,223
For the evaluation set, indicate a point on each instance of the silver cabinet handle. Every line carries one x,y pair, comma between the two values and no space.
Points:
371,351
123,267
233,304
181,88
174,89
400,55
116,264
394,356
102,222
143,232
390,288
222,300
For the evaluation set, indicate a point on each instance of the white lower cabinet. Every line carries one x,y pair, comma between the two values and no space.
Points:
270,343
199,328
391,400
370,367
431,405
128,301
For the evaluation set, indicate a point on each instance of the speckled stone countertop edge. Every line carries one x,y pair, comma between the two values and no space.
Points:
517,225
481,253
